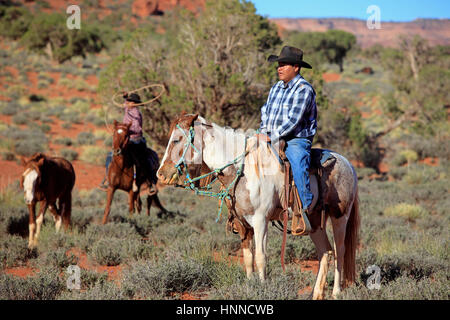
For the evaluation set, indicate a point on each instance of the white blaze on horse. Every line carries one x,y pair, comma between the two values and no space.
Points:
47,180
251,171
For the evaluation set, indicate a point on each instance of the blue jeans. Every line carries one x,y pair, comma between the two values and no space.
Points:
298,152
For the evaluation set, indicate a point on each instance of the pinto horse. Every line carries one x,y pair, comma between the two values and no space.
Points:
121,174
45,180
250,169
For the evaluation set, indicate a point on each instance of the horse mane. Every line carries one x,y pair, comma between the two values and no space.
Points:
37,156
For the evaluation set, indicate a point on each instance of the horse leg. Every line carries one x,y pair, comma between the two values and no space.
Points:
339,228
31,224
39,220
149,204
138,203
56,216
109,198
131,200
260,231
247,252
323,247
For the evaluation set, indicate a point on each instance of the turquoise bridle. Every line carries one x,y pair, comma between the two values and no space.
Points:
189,183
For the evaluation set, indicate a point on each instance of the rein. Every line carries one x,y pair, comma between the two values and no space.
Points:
189,182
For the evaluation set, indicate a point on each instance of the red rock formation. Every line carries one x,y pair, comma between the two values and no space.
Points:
145,8
436,31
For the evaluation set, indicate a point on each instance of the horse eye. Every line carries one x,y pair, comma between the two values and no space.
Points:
175,141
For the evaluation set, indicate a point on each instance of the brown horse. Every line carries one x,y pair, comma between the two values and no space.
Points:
121,174
45,180
250,170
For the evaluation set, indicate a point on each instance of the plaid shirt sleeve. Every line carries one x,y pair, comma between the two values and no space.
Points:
301,99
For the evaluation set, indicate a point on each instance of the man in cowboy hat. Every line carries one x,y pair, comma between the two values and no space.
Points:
137,144
290,113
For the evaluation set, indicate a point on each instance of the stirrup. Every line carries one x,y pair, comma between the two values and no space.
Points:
300,220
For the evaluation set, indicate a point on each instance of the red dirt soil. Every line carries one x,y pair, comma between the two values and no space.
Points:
331,77
22,272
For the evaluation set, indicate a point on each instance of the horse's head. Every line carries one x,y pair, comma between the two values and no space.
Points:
31,177
184,151
120,136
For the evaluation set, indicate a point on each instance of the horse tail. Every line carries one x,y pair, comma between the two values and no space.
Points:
351,243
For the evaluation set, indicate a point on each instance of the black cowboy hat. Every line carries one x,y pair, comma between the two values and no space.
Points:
133,97
290,55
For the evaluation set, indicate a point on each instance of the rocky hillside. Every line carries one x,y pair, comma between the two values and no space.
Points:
437,32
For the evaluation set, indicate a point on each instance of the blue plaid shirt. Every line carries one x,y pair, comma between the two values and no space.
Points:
290,110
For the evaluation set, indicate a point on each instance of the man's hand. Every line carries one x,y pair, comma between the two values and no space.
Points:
263,137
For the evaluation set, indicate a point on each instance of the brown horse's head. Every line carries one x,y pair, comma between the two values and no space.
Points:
183,137
121,137
32,175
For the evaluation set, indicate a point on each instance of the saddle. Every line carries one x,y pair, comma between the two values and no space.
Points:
291,203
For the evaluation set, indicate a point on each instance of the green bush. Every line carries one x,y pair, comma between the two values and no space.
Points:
69,154
86,138
46,285
94,155
66,141
108,251
14,21
49,31
14,251
407,211
156,281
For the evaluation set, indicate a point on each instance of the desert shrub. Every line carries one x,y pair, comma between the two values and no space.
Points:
420,174
64,141
94,155
70,116
101,290
108,251
14,21
58,258
405,157
10,108
20,118
46,285
14,251
156,281
28,147
8,156
85,138
57,111
407,211
81,218
403,288
112,230
16,221
27,142
69,154
49,31
92,197
284,286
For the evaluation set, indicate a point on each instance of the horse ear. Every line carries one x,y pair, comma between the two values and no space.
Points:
128,125
41,162
115,123
190,120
